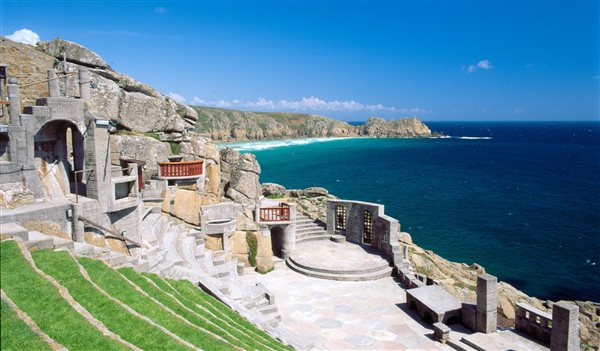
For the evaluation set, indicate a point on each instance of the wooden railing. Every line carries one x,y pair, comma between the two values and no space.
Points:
183,169
275,214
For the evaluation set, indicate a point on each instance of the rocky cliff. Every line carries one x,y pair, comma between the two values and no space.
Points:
128,103
405,127
224,124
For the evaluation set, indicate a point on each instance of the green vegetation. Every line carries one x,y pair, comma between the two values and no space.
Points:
138,332
16,335
178,306
190,312
252,247
44,304
174,147
192,293
153,135
109,280
275,196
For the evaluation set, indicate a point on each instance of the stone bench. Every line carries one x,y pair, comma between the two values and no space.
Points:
441,332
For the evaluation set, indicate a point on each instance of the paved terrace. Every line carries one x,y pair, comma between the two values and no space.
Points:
360,315
343,315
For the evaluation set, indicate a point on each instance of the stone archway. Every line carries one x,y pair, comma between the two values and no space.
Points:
277,241
58,155
4,147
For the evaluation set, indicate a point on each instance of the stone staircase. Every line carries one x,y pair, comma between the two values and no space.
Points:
308,229
177,251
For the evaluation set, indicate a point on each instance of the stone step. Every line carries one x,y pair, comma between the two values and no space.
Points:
338,238
310,232
12,230
39,244
376,268
313,237
57,242
341,277
268,309
459,345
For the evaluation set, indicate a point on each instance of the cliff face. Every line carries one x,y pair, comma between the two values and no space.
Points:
406,127
130,104
223,124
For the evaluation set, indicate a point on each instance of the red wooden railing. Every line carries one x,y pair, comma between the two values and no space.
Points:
180,169
275,214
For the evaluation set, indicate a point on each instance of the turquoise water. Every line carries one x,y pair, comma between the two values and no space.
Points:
521,199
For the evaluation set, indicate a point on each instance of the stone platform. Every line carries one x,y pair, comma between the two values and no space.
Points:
339,261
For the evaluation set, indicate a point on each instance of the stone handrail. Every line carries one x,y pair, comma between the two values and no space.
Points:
534,322
182,169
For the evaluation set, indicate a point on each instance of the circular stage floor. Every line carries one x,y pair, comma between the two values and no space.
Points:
339,261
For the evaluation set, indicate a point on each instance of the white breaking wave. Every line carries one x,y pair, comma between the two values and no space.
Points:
272,144
472,138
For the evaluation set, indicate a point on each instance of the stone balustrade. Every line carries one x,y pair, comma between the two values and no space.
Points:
534,322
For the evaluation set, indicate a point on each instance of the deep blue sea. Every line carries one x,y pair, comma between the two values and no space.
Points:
521,199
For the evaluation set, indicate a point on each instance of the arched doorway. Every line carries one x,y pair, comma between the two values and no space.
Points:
58,156
4,147
277,241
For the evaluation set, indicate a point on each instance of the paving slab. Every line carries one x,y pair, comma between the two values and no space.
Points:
347,315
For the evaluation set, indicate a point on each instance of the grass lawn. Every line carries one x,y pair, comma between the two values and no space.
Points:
63,268
217,326
43,303
16,335
190,299
110,281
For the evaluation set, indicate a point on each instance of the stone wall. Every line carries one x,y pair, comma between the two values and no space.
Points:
385,229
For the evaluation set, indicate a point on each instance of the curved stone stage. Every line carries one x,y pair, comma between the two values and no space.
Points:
338,261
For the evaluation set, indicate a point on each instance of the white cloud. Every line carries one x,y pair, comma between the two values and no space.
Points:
179,98
306,104
160,10
483,64
25,36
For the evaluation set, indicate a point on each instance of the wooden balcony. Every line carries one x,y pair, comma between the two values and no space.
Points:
275,214
180,170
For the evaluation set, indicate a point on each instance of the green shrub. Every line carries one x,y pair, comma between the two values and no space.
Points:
174,148
252,247
275,196
153,135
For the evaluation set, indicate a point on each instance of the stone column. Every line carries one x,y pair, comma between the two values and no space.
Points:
97,162
487,302
14,99
565,327
78,228
289,235
84,84
53,87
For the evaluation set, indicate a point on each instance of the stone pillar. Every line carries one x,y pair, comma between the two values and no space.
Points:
14,99
97,162
487,302
84,84
289,235
78,228
53,87
565,327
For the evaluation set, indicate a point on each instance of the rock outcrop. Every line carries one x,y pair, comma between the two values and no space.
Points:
74,53
125,101
406,127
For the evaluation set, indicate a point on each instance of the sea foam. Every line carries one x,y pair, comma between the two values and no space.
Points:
272,144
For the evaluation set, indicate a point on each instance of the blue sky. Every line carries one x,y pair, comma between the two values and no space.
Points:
438,60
